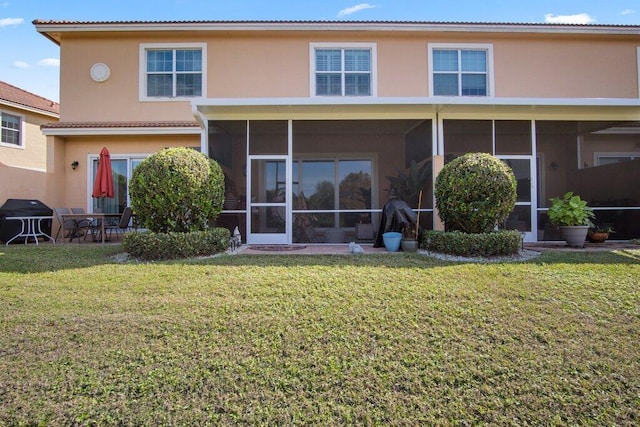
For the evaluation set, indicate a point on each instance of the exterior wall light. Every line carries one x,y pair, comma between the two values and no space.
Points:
74,164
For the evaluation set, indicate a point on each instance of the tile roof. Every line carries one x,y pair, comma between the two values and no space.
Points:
20,97
328,22
112,125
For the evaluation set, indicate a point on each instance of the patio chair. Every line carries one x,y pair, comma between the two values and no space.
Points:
69,224
81,224
121,226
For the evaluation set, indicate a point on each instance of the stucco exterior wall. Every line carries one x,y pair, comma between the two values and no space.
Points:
76,182
33,154
273,64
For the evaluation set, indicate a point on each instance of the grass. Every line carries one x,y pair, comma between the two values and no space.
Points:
327,340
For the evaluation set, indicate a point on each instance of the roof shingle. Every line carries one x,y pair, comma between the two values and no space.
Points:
15,95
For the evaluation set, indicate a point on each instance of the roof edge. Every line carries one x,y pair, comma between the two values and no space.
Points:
54,26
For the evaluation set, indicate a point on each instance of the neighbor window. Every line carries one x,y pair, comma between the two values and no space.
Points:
176,71
460,70
11,129
339,70
603,159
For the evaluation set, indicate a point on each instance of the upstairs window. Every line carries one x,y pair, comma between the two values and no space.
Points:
11,129
343,70
172,72
460,71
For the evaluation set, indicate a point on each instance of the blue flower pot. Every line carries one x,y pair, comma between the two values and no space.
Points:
391,240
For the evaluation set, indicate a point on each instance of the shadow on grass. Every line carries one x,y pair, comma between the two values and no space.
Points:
42,258
25,259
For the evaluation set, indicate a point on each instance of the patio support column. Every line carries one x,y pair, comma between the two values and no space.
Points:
438,164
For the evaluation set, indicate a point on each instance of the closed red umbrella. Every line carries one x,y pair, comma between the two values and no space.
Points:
103,185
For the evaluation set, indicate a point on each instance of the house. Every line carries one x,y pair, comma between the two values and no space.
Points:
23,147
312,120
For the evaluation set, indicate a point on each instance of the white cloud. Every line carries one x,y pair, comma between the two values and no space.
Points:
580,18
354,9
7,22
5,4
20,64
628,12
49,62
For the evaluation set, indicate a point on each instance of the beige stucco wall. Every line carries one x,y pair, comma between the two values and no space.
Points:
76,182
33,154
18,183
23,170
272,64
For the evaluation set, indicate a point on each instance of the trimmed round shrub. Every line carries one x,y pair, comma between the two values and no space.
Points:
177,190
475,192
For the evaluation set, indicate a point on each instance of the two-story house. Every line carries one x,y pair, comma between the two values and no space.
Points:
312,120
23,147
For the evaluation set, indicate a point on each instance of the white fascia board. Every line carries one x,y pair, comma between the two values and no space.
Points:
121,131
198,105
335,26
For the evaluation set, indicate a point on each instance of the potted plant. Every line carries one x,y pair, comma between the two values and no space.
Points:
409,242
573,216
410,232
599,233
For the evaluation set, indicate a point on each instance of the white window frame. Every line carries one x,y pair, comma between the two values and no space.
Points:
21,130
130,158
372,47
624,155
336,158
488,48
142,69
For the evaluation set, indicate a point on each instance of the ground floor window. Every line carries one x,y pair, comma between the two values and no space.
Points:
122,169
331,188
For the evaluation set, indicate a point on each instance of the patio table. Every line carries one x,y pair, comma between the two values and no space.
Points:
31,227
89,216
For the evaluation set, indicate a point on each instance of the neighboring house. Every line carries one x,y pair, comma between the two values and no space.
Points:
23,146
309,119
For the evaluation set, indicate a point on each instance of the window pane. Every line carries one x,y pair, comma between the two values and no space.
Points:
357,84
328,84
474,84
357,60
159,60
10,122
10,129
445,60
120,187
328,60
445,84
474,60
159,85
10,137
189,60
318,184
355,184
189,85
522,171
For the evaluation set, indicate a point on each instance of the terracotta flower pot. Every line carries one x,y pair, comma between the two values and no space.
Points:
595,237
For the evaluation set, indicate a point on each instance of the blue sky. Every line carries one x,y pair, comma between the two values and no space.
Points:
30,61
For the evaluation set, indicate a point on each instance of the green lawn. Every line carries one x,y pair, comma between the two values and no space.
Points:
387,339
